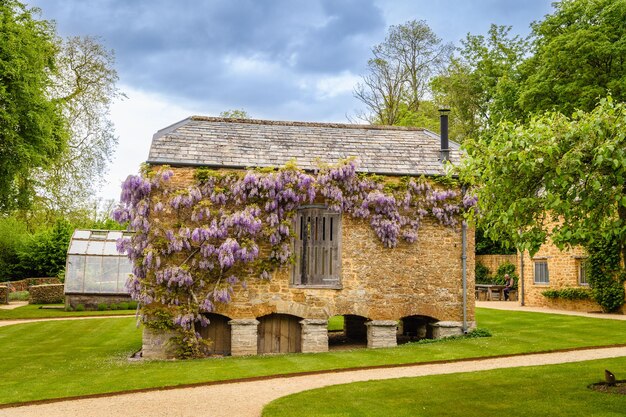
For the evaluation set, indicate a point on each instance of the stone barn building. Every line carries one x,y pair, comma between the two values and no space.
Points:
341,268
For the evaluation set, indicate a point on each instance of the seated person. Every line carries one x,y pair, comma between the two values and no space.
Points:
509,284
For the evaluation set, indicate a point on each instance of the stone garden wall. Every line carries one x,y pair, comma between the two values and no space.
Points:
46,294
4,295
22,285
494,261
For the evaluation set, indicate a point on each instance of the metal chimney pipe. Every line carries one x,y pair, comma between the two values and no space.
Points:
444,152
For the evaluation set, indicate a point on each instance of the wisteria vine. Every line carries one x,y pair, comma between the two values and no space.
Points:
192,245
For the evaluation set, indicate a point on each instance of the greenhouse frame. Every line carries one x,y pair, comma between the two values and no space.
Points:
96,272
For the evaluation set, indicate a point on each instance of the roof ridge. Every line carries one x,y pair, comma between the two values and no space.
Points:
304,124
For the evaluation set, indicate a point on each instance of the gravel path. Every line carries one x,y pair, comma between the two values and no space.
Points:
226,399
243,399
13,305
22,321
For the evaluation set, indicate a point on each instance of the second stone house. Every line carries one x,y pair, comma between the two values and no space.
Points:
339,264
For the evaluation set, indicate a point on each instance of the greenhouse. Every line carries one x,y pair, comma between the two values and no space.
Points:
96,272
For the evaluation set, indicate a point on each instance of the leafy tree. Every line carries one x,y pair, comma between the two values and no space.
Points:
33,131
43,254
480,82
568,172
398,76
84,87
579,56
235,114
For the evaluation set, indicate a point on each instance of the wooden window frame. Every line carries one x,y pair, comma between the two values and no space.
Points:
317,258
581,271
547,272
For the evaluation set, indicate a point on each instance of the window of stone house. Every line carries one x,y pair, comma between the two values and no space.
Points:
317,248
582,272
541,272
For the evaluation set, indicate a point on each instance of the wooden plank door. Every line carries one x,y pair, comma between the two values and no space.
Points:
218,331
279,333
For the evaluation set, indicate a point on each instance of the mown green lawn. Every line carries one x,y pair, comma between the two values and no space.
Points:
67,358
34,311
555,390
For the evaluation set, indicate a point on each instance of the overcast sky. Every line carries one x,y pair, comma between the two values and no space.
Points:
276,59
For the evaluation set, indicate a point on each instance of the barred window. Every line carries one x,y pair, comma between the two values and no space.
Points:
541,272
317,247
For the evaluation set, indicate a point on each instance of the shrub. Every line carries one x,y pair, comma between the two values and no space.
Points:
483,274
605,276
102,307
132,305
122,306
80,307
506,268
568,294
19,296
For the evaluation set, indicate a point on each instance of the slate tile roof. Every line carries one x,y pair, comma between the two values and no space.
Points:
238,143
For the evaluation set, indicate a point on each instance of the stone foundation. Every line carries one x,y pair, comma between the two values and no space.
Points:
157,344
314,335
381,333
244,337
443,329
91,301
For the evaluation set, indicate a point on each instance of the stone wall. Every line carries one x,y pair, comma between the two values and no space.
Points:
91,301
380,284
4,294
24,284
423,278
494,261
46,294
562,272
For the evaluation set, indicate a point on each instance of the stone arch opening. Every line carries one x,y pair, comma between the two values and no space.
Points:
218,332
353,333
413,328
279,333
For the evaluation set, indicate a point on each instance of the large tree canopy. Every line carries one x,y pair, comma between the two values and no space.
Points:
398,77
480,83
32,128
569,172
84,88
579,56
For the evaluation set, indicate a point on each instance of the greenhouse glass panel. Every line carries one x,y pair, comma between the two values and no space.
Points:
75,273
95,248
94,266
82,234
109,277
93,274
110,249
115,235
78,247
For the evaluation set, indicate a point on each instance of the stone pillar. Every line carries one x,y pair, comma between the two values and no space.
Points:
449,328
157,344
243,337
314,335
381,333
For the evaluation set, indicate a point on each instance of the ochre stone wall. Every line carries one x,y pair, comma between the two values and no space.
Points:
422,278
22,285
4,295
563,273
46,294
494,261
